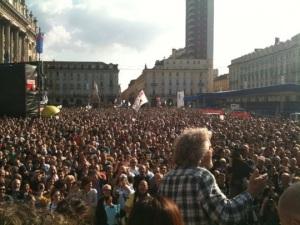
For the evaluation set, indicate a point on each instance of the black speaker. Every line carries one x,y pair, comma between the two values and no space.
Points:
18,90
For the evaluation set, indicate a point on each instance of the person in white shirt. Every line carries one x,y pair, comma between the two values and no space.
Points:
90,195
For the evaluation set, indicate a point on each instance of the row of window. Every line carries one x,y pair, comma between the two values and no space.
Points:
80,66
292,98
263,83
71,76
170,83
176,62
170,92
289,56
273,72
78,86
162,73
267,76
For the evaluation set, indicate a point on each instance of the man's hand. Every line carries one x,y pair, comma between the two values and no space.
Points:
257,183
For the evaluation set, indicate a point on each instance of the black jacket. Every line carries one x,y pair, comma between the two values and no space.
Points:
100,214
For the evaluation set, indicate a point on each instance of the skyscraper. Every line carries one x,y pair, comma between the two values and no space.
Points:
199,29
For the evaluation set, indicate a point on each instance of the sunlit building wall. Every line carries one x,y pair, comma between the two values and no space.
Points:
18,29
274,65
72,83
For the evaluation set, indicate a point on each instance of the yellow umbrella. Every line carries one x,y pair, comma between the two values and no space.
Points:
50,110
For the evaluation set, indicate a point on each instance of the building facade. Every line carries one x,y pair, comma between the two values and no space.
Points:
280,99
18,29
274,65
172,75
221,83
199,29
134,88
73,83
188,69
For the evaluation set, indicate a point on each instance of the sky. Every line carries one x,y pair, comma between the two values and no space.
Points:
132,33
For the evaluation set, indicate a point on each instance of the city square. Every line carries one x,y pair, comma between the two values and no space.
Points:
183,142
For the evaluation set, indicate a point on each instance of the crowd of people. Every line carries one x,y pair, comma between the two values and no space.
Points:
98,165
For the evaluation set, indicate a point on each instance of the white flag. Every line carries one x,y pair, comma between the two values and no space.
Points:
180,99
96,90
44,99
140,100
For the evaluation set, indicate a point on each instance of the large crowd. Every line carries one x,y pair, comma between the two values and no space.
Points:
97,164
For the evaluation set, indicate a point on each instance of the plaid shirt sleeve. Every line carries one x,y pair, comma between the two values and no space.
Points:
219,208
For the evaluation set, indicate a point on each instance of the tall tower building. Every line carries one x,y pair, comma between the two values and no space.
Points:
199,29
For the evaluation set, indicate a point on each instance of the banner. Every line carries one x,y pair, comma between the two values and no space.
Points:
180,99
140,100
39,43
44,100
158,102
95,98
95,88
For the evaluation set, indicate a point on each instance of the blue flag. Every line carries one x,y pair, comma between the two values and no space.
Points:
39,42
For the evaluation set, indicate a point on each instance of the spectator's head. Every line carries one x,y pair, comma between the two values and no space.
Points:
142,170
191,146
133,163
75,209
158,211
86,184
245,150
2,190
55,196
163,169
16,185
70,180
106,190
285,179
143,187
289,205
123,180
158,178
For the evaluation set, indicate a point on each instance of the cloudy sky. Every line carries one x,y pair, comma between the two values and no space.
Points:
133,33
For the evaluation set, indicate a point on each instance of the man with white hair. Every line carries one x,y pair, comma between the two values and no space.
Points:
195,190
289,205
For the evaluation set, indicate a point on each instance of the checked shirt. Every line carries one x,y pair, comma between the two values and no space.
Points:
201,201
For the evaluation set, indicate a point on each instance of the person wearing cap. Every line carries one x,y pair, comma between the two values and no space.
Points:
100,213
289,205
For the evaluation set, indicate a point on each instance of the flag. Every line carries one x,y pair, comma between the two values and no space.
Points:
39,42
95,88
44,99
180,99
158,102
140,100
95,98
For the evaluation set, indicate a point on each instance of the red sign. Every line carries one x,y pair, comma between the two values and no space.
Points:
240,115
30,85
212,111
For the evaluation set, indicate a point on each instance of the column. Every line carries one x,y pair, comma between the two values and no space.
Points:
7,43
26,49
16,46
1,43
23,59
